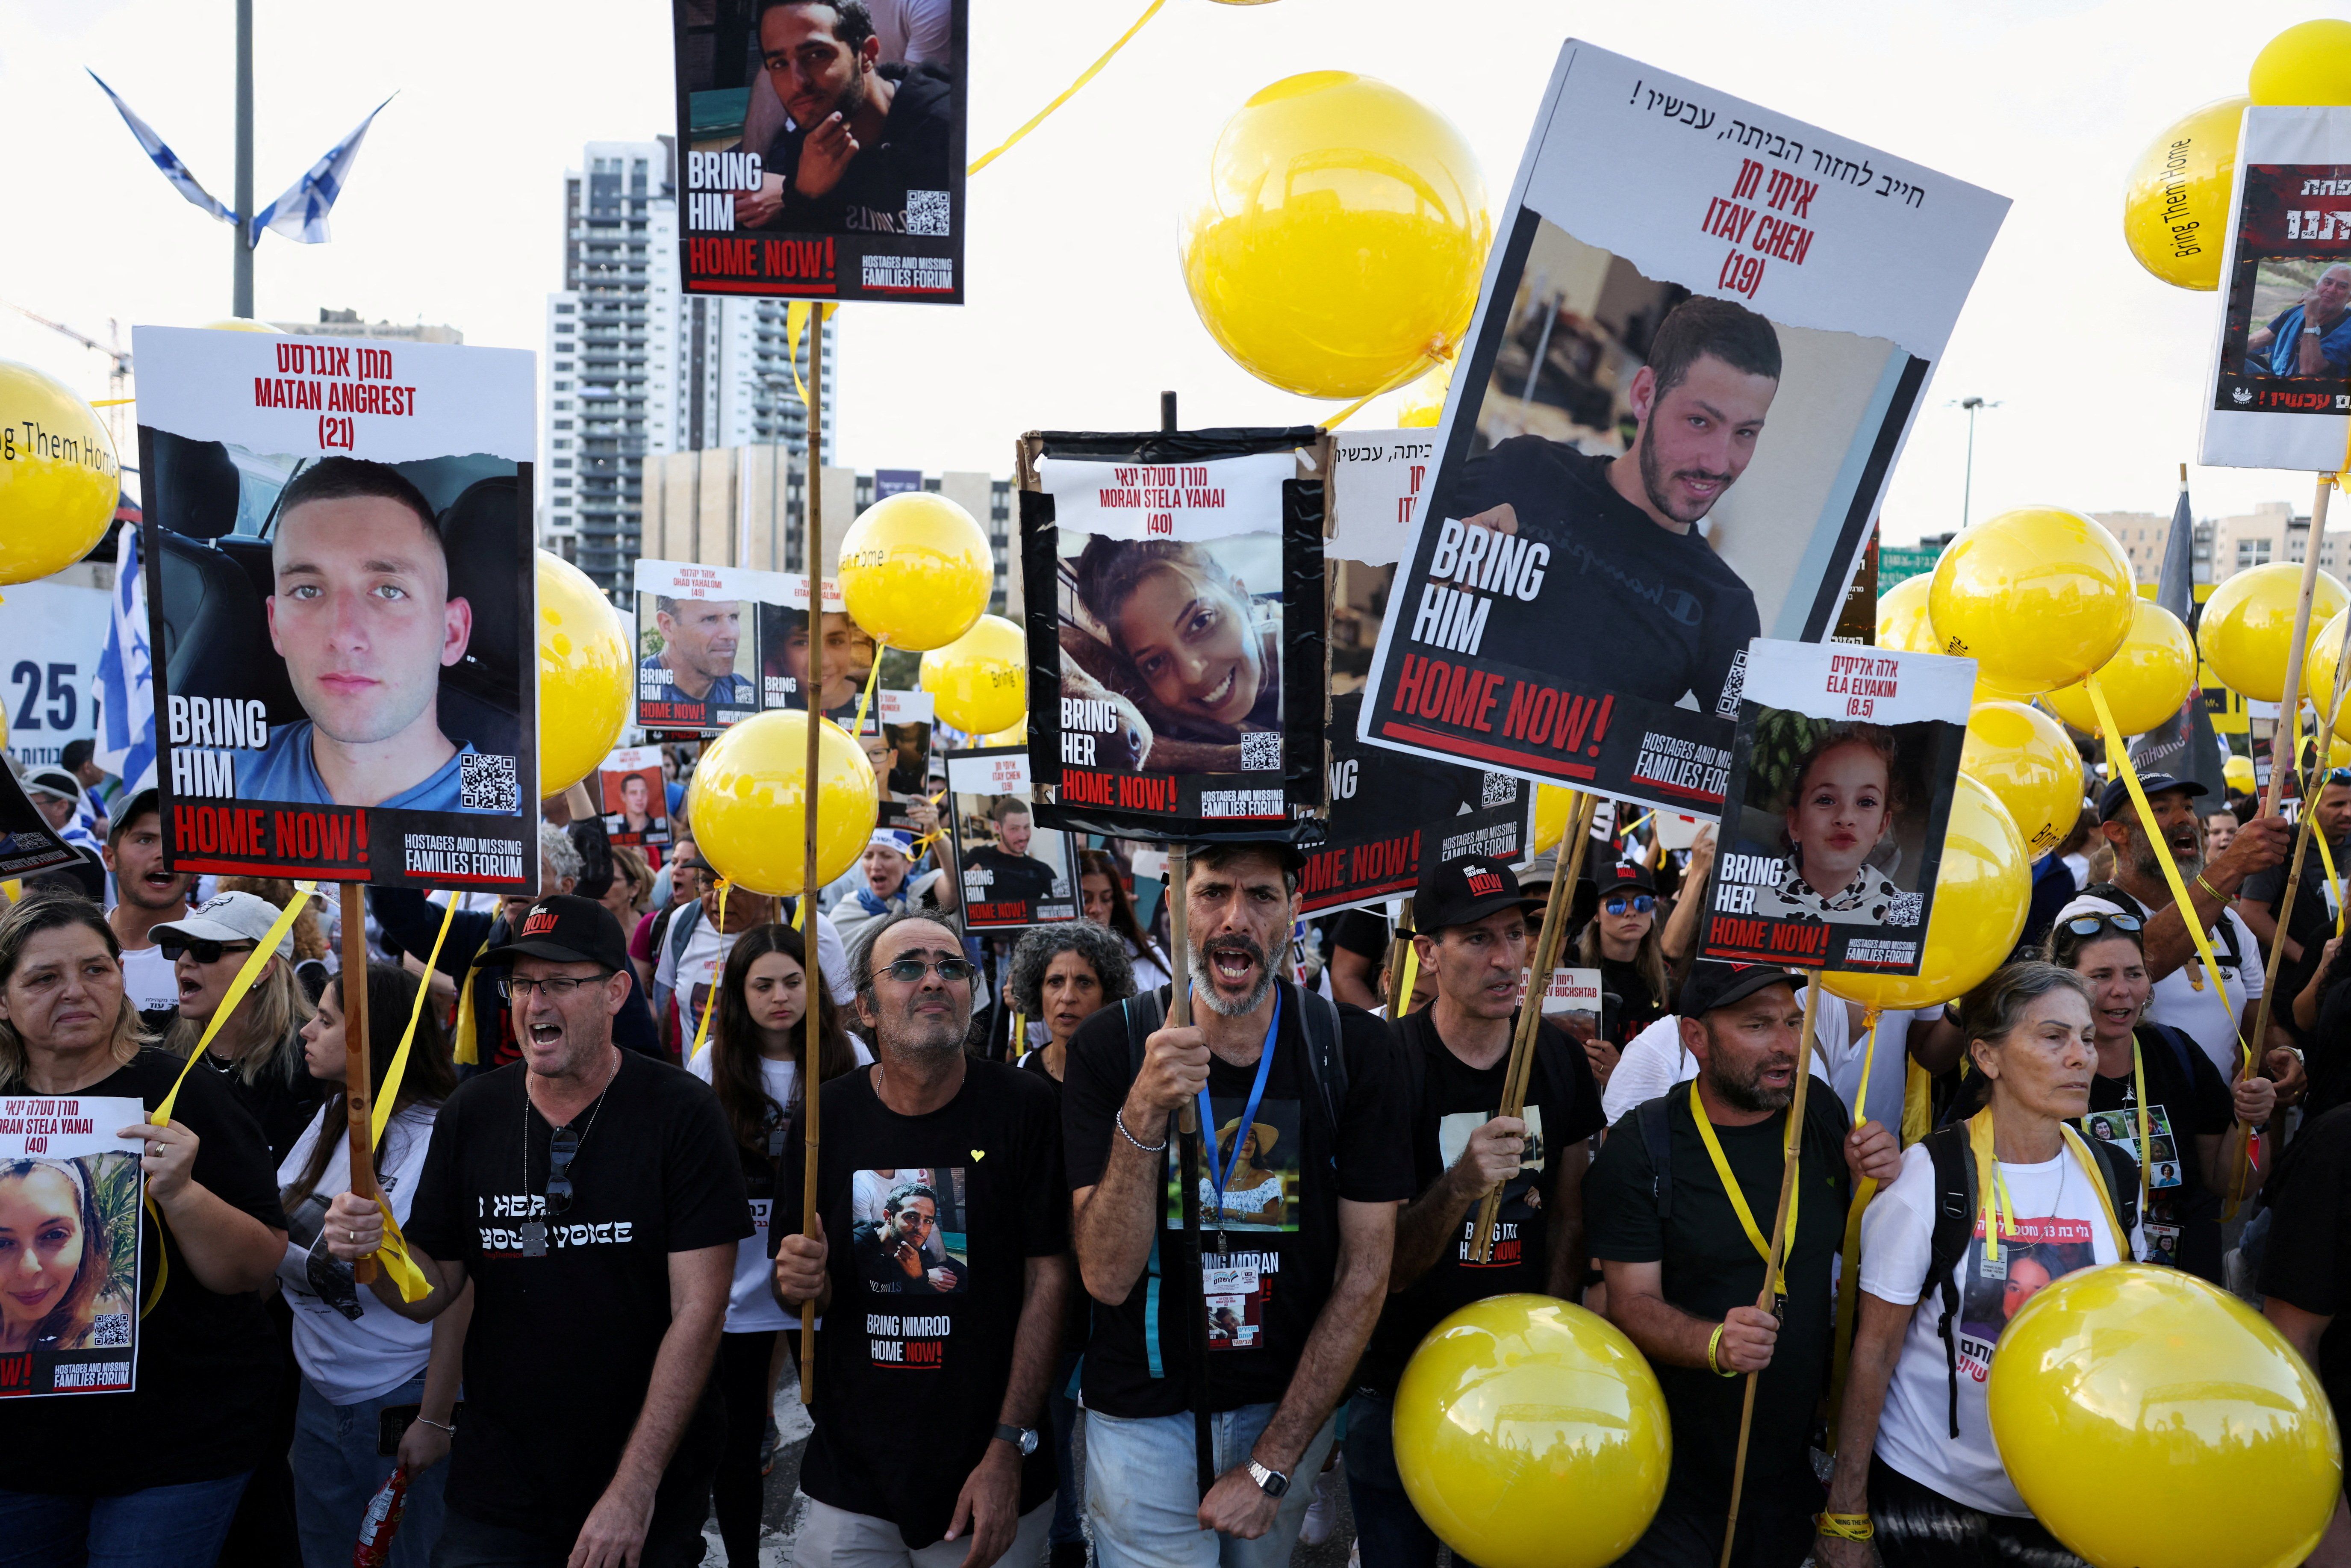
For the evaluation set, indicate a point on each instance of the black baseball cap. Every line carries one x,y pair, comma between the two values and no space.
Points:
2115,794
1460,891
565,928
1624,878
1713,984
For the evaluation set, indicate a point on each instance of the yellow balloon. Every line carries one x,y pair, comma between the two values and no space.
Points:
2144,682
583,674
2175,202
1902,622
2023,756
1980,893
1422,404
1553,805
1010,735
2318,670
2038,597
2248,625
2138,1408
2237,773
245,324
750,792
915,570
58,479
1338,248
979,681
2309,63
1531,1434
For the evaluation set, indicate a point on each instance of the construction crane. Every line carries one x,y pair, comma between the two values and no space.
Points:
118,376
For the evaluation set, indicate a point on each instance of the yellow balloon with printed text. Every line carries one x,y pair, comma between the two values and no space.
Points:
58,479
2145,681
915,570
2176,201
583,674
2246,633
2025,758
1337,250
2308,64
979,681
1532,1434
1981,890
2039,597
2150,1419
749,794
1904,626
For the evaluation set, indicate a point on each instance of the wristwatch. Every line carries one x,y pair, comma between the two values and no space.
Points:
1022,1438
1273,1483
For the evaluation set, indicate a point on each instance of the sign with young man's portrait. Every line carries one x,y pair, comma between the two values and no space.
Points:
633,796
1014,871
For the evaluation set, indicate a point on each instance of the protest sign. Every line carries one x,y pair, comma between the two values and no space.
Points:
341,590
1698,349
1176,633
28,844
2282,357
823,158
1014,871
69,1198
53,633
698,654
628,790
896,739
1847,762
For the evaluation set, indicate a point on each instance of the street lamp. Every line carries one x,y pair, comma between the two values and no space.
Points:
1967,487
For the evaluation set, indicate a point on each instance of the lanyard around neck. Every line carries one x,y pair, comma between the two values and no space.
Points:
1739,1200
1997,1211
1221,1172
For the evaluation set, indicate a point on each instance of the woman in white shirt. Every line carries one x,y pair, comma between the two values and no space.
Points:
758,1043
359,1359
1916,1473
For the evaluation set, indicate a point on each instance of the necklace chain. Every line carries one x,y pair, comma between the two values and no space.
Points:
594,1110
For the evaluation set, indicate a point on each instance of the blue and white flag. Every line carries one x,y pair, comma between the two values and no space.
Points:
126,678
165,159
301,213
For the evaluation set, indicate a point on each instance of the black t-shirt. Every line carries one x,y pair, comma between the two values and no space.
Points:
1011,878
873,194
561,1348
2312,926
1637,1005
2308,1260
1281,1217
2182,1216
1364,934
1450,1101
207,1374
1655,613
284,1102
2330,1051
1710,1266
912,1367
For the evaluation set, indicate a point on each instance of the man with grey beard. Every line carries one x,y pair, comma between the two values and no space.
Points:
1306,1117
2184,995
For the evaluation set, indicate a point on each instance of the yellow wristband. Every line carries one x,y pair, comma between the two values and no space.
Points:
1844,1526
1713,1345
2210,889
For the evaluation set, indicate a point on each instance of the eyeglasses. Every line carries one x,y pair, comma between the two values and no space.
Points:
555,988
2091,925
1638,904
202,950
561,1149
910,971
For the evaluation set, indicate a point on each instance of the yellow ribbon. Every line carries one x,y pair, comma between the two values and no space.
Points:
1739,1200
382,1115
702,1029
2334,882
1067,93
393,1253
247,972
466,1049
1849,1273
1429,360
872,679
796,315
1412,973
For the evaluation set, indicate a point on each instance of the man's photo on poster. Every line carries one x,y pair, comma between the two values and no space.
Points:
635,805
2303,308
1013,870
696,660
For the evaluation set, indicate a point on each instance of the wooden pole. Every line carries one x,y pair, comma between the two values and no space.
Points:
359,1098
2281,731
1793,1157
812,701
1398,946
1565,874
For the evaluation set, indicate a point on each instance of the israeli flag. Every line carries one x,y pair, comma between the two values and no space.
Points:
126,678
301,213
165,158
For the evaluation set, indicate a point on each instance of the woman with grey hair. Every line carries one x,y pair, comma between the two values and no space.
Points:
1062,975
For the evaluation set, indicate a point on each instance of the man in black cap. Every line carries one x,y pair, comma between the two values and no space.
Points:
1684,1251
592,1198
2184,996
1473,937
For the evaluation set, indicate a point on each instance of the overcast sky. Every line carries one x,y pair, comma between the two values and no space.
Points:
1077,313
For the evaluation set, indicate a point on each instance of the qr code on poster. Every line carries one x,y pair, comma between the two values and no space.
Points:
1261,751
486,783
110,1331
1727,707
1905,908
926,211
1497,789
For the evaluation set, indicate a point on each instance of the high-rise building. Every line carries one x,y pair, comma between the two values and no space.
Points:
347,324
2272,531
633,368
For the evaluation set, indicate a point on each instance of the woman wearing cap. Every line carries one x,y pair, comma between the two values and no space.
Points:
1842,802
884,884
256,1052
1106,903
149,1478
1621,943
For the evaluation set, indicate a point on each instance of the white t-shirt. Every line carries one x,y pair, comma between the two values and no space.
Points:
350,1345
2064,1228
1654,1060
751,1304
152,983
2191,1005
705,956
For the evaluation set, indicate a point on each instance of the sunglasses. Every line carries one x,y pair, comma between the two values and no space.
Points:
1637,904
201,950
2091,925
910,971
561,1151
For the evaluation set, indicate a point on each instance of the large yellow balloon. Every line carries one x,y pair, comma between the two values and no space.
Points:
1980,893
1010,735
2309,63
583,674
1903,625
2175,202
2237,774
1531,1434
1421,406
58,479
1553,805
2318,670
2144,682
750,793
2247,629
1337,250
2038,597
979,681
915,570
2140,1409
2023,756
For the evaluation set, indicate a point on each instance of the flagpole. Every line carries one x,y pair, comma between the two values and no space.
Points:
241,273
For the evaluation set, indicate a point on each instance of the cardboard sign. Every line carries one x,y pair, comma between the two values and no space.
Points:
1014,871
70,1195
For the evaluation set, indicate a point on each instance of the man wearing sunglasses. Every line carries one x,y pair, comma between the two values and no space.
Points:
592,1199
960,1351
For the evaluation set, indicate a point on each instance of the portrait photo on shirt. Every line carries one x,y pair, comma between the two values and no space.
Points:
823,149
909,1242
1262,1191
1667,431
1840,796
339,559
70,1244
2046,1249
1015,871
629,789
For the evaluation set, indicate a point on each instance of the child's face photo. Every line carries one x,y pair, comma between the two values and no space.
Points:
1187,634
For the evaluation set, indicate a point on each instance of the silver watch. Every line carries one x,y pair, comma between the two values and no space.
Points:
1273,1483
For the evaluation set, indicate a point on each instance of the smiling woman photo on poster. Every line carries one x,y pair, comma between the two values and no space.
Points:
1206,665
57,1256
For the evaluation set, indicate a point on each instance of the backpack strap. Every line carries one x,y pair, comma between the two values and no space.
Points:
2181,1046
1144,1015
1955,1216
1656,1138
1326,1064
